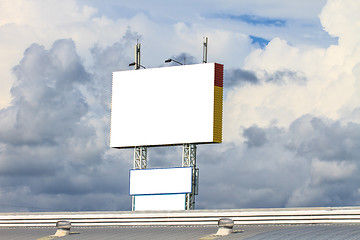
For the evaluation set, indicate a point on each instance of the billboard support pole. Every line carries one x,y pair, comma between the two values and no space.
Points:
189,160
189,155
140,153
140,157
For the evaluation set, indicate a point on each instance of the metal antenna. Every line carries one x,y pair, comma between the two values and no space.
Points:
137,56
205,45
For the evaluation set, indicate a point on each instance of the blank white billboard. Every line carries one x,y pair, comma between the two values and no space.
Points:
167,106
160,181
160,202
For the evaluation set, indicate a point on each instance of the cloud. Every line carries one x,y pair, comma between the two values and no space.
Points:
332,183
325,139
240,77
54,138
283,76
46,86
338,18
331,150
234,77
285,128
279,167
256,137
318,81
331,171
26,22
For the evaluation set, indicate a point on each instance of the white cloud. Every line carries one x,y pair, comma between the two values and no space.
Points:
24,22
331,87
331,171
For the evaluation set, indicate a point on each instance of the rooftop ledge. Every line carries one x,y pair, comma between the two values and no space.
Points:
317,215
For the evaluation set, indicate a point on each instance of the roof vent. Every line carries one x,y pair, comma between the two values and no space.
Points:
63,228
225,226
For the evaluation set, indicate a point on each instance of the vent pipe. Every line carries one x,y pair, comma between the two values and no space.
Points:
63,228
225,226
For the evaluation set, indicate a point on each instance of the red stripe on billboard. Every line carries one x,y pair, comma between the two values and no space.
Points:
219,75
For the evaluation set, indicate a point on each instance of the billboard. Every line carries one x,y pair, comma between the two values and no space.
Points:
160,202
160,181
167,106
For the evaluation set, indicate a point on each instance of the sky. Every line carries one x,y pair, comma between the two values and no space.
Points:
291,121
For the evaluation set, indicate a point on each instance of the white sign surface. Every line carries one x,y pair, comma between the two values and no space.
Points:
160,202
160,181
165,106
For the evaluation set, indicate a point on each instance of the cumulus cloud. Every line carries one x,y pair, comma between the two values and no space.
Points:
46,83
325,139
331,171
239,77
302,165
236,77
54,137
318,81
256,137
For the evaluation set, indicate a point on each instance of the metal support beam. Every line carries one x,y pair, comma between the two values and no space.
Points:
189,160
189,155
140,157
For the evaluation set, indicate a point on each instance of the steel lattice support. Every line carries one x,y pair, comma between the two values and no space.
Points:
140,157
189,155
189,160
140,162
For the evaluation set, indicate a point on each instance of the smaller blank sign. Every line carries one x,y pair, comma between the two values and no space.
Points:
160,202
160,181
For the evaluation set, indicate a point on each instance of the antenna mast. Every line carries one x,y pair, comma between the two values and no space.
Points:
205,45
137,56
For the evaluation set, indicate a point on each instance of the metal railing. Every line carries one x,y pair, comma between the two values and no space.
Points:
195,217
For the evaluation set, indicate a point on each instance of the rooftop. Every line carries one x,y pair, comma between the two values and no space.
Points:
250,224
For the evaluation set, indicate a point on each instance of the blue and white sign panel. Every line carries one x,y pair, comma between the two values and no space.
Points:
160,181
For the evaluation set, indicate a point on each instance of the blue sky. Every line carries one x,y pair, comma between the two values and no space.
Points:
291,105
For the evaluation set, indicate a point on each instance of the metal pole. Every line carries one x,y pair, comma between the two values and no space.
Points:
189,160
137,56
205,45
140,153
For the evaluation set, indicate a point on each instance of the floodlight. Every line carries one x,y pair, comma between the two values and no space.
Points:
133,64
173,60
